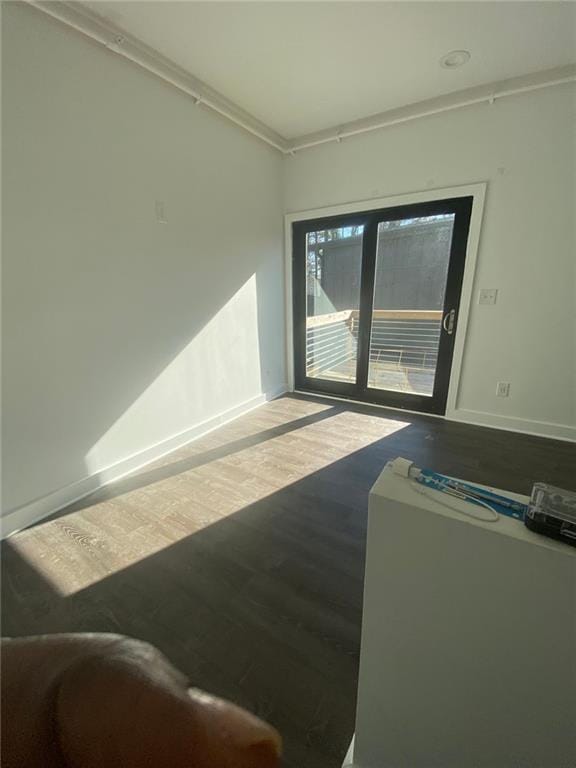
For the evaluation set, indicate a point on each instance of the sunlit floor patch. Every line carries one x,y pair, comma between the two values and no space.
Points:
194,488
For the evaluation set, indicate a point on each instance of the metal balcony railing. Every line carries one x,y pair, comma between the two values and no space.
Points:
331,343
405,341
406,338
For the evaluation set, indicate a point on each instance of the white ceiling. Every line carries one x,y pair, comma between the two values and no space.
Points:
305,66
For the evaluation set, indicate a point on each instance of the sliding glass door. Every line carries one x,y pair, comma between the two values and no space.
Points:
376,299
333,267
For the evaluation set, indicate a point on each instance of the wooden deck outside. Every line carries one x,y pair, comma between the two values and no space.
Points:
384,375
403,348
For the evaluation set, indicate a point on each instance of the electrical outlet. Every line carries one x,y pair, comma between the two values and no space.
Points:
487,295
503,389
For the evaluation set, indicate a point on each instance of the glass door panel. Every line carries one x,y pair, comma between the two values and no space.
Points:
412,260
376,296
333,273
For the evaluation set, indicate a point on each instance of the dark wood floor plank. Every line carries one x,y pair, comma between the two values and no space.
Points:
241,556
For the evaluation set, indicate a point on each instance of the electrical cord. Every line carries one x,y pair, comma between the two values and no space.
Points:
425,491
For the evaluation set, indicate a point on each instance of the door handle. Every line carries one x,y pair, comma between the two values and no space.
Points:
448,321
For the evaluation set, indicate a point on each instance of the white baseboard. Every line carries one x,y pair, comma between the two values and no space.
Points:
17,519
478,418
513,424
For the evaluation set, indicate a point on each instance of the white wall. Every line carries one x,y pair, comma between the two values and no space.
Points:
524,147
120,332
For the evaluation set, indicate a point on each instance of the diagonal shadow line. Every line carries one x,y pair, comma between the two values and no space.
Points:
142,479
22,578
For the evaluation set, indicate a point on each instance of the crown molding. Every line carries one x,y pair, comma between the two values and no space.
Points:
80,18
92,25
487,94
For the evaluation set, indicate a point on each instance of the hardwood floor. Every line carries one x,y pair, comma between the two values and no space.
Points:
241,556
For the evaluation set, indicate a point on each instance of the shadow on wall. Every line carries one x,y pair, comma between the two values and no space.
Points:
270,303
166,355
120,331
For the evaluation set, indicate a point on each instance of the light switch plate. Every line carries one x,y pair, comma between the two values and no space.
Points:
487,295
160,209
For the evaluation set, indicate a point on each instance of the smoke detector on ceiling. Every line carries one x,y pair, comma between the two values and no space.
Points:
455,59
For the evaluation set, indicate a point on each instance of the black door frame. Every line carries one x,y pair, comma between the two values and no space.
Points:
461,207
